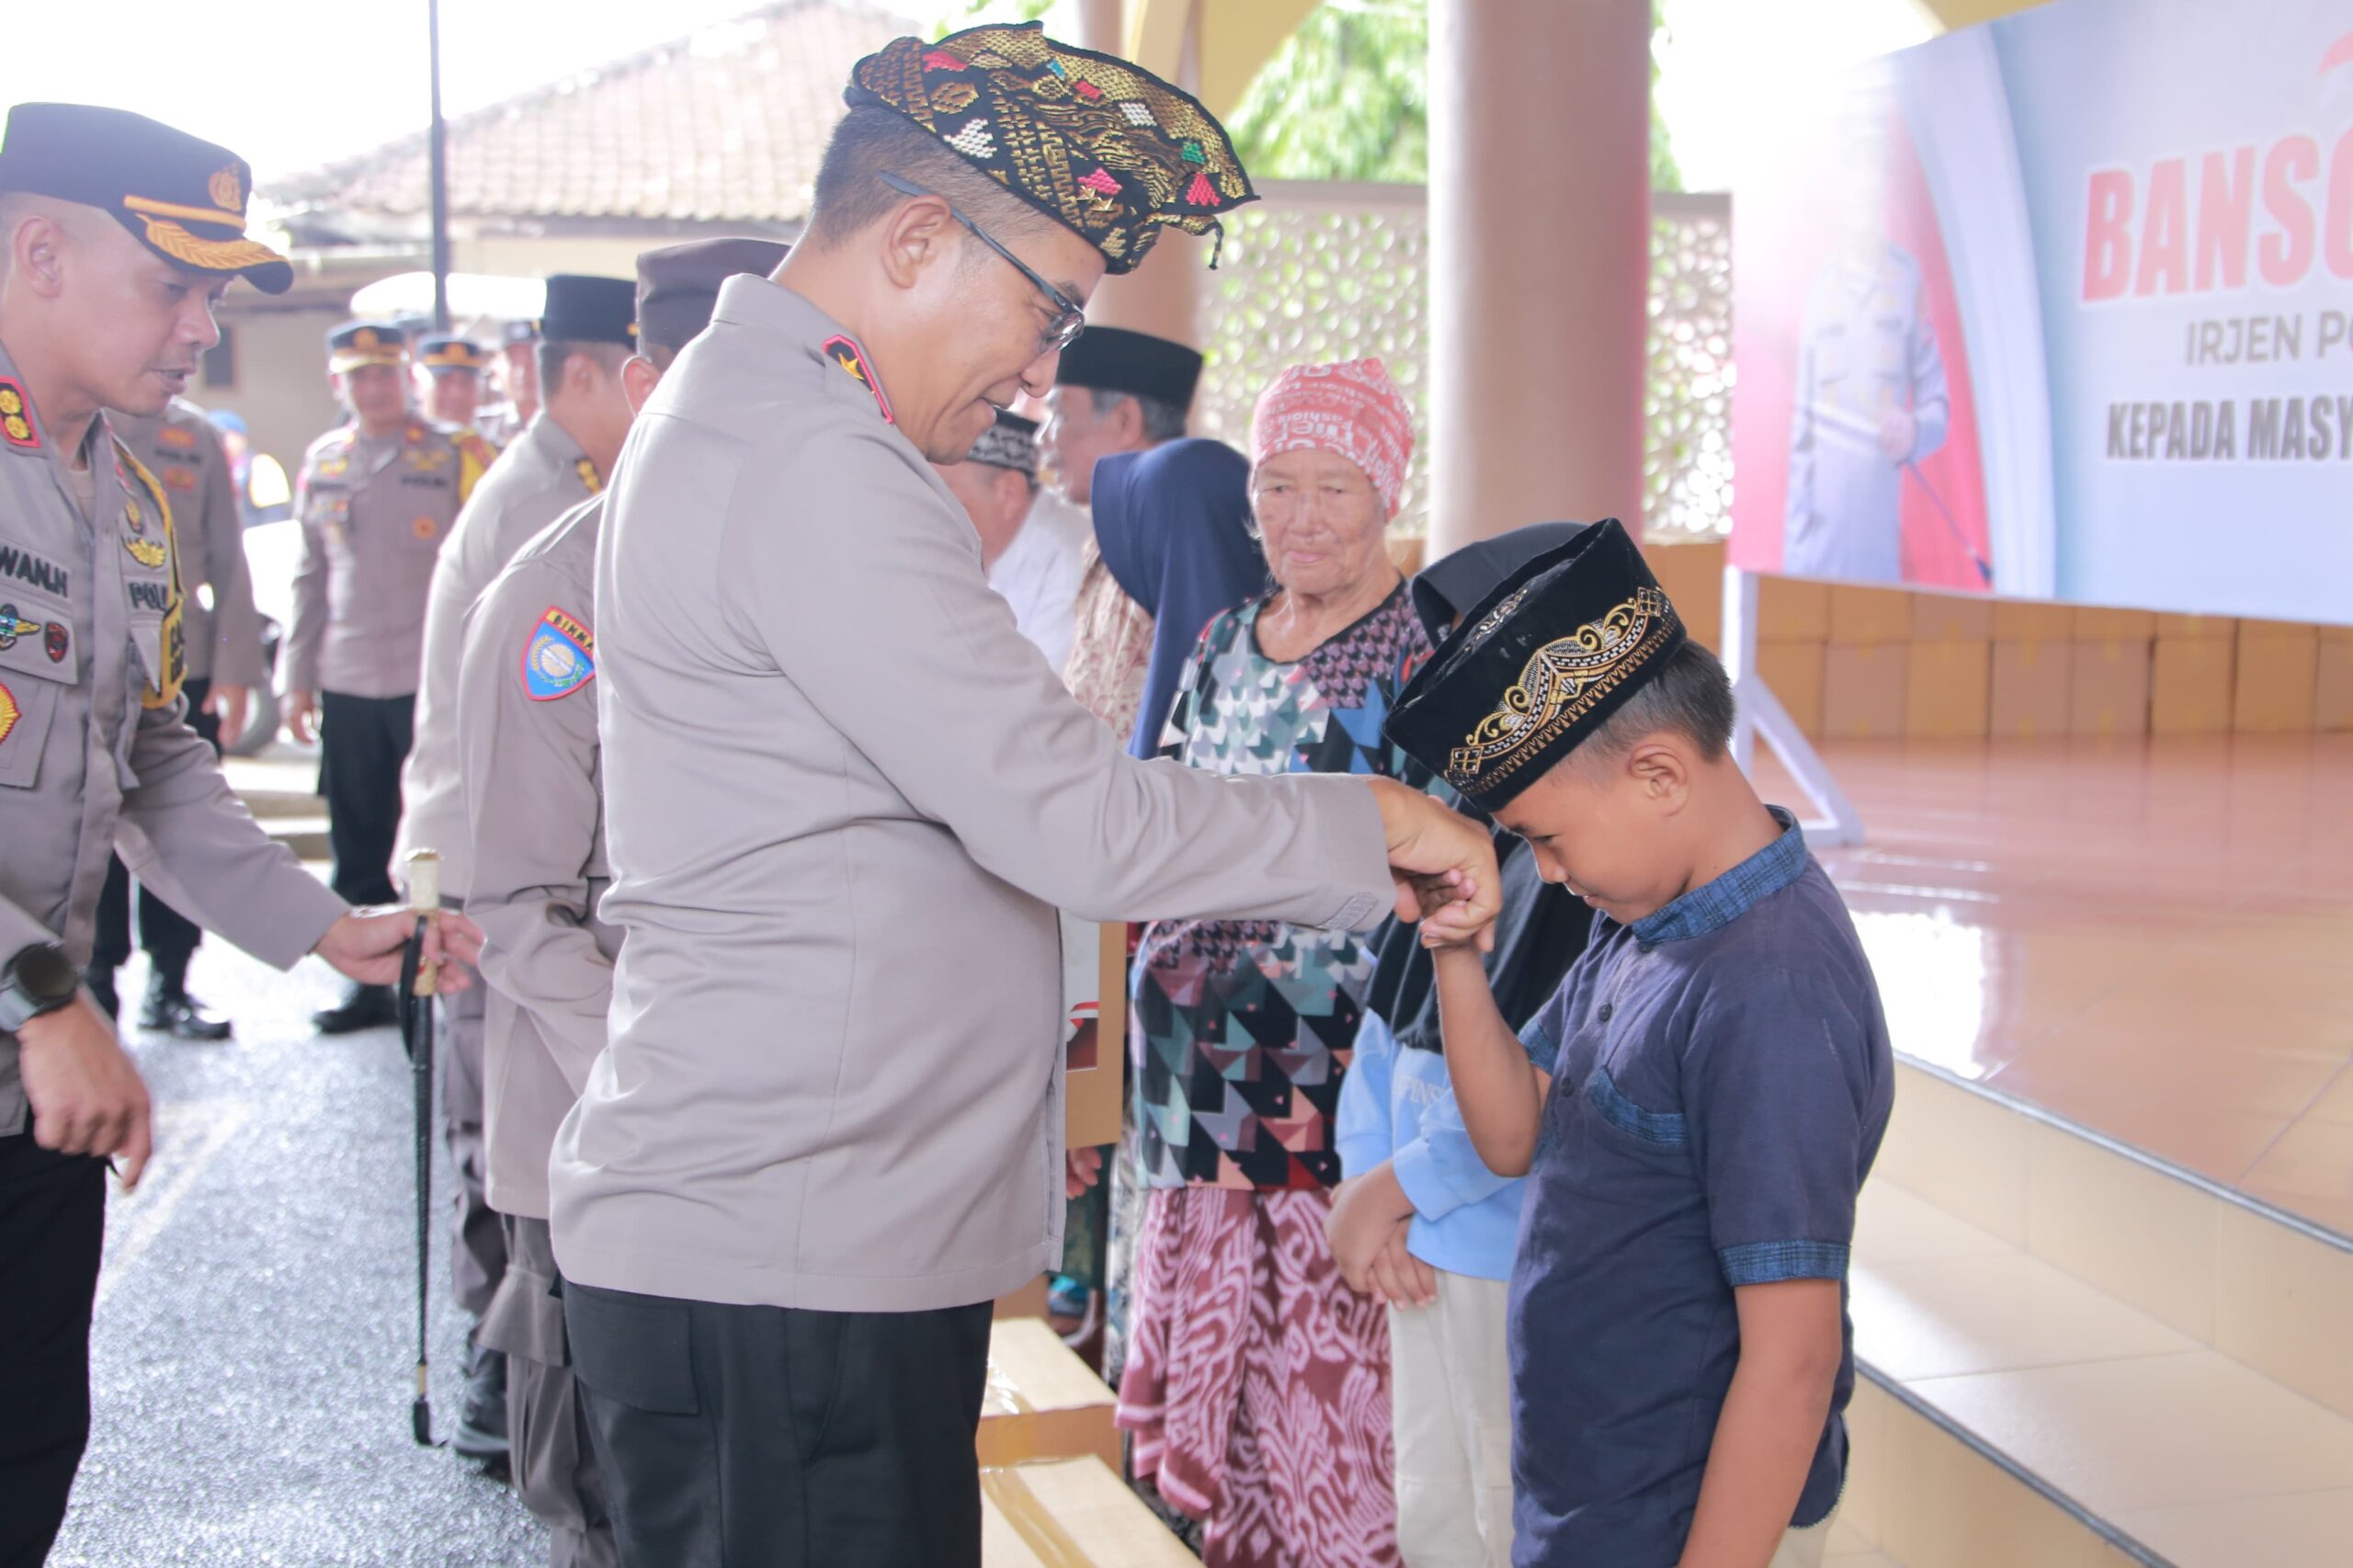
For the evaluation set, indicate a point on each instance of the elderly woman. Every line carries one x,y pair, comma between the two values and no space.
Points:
1257,1380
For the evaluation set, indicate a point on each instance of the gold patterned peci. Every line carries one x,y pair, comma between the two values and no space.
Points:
1103,145
1560,685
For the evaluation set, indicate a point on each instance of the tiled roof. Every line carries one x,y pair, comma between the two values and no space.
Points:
724,125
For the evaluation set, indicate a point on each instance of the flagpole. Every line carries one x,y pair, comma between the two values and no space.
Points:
438,173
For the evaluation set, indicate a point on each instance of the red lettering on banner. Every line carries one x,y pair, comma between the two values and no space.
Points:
2164,239
2286,256
2225,214
2340,207
2256,211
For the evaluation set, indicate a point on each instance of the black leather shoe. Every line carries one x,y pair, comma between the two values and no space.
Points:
481,1415
99,981
171,1010
363,1007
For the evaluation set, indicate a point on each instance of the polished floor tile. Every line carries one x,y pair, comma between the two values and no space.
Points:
2303,1530
2153,938
2155,1431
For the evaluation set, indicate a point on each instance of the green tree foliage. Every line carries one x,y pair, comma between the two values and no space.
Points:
1346,99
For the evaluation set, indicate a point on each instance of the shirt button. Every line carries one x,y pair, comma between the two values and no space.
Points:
1607,1008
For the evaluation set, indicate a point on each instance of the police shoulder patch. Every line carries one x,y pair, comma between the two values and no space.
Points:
559,658
16,418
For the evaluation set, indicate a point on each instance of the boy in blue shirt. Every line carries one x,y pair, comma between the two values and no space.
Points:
1419,1220
1696,1108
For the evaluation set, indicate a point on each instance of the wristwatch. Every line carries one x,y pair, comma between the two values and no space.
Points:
39,978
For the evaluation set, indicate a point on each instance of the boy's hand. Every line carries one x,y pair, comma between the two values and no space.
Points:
1429,843
1366,1212
1403,1279
1449,918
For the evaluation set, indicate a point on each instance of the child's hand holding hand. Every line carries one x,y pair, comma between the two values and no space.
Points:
1367,1229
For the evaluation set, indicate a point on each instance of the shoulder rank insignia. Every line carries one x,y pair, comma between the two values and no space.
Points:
16,418
844,351
560,658
586,468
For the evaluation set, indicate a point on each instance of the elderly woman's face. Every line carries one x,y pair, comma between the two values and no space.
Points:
1324,522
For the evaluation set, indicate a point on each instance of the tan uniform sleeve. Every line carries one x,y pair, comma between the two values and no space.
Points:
308,635
184,833
236,625
532,810
877,611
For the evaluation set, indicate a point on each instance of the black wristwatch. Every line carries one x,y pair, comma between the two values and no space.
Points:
39,978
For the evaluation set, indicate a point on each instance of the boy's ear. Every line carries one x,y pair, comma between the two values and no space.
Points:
1661,767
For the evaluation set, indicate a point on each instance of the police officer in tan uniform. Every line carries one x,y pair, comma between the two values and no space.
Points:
560,460
117,236
225,661
518,380
376,498
527,744
453,367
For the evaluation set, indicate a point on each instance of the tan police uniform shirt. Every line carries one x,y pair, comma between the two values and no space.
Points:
183,451
533,803
844,799
374,512
533,482
96,754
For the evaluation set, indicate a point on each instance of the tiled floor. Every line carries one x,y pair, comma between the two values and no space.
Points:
2195,1455
2154,938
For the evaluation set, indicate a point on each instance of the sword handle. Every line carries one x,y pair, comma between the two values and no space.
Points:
425,901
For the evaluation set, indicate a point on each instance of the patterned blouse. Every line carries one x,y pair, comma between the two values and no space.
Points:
1112,651
1242,1027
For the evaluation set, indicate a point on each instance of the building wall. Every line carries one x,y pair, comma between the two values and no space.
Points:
281,389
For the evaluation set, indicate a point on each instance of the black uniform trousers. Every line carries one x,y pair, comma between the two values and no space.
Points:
53,1223
168,937
362,742
735,1437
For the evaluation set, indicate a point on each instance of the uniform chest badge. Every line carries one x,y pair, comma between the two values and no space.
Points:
844,351
174,439
424,527
177,478
13,626
428,459
148,553
332,468
16,418
9,711
560,658
56,641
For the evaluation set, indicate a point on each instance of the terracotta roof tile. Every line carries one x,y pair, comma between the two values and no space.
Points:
725,125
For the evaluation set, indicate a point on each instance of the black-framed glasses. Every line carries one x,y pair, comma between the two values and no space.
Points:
1070,316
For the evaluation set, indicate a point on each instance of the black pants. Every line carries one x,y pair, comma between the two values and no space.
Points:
52,1220
168,937
362,742
771,1437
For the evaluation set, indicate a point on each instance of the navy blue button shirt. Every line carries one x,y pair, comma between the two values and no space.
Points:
1720,1083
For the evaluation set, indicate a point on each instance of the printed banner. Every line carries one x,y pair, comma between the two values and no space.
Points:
2061,307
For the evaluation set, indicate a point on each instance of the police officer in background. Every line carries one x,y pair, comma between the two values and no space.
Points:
518,382
225,661
453,368
376,498
117,236
558,460
526,746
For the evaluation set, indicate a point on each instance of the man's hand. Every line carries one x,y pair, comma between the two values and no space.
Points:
365,945
1368,1214
86,1097
1082,1168
1899,432
303,715
1431,848
232,705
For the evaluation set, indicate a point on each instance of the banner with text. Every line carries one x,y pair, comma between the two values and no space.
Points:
2061,307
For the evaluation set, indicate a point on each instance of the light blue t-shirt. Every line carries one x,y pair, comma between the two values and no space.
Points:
1397,1105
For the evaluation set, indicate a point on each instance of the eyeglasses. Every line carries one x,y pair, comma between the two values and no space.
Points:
1070,316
